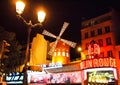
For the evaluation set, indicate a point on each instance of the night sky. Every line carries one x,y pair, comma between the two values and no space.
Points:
57,12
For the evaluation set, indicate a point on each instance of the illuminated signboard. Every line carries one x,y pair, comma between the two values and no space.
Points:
106,76
14,78
53,78
93,49
101,62
53,65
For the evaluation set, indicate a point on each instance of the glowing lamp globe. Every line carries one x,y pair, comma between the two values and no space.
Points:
20,7
41,16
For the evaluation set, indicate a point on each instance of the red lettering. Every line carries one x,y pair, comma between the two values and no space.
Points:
106,62
95,63
82,65
89,64
101,63
112,62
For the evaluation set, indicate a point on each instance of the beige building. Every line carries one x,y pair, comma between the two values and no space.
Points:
38,50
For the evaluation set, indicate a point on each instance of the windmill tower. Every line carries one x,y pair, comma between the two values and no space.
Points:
60,47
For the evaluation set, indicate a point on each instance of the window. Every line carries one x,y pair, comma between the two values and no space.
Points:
59,53
110,53
99,31
63,53
67,54
119,54
108,41
100,41
92,33
86,35
107,29
54,53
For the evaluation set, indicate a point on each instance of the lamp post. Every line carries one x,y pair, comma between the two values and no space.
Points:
41,16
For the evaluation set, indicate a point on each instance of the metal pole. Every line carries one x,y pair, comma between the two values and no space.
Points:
25,82
30,26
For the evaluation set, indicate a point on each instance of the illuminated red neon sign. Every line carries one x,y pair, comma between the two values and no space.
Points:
93,49
101,62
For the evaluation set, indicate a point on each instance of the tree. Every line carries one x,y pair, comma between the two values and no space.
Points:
14,57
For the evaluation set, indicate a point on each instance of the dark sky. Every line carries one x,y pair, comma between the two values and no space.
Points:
57,11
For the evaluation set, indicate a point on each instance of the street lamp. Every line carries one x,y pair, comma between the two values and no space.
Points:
41,16
82,54
79,49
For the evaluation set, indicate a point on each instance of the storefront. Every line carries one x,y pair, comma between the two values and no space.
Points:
88,72
55,75
99,71
94,70
100,76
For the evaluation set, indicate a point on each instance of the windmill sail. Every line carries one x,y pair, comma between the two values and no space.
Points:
65,25
70,43
45,32
53,48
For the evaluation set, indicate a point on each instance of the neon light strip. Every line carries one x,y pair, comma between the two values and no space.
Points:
98,69
115,73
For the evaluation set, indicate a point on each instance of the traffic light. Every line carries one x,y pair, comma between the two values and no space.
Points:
3,55
5,49
6,44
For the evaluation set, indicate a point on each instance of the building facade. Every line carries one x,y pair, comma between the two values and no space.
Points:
99,40
38,50
61,53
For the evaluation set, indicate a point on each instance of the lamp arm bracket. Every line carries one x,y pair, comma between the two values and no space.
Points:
20,17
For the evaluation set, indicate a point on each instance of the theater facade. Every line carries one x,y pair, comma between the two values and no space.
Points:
92,71
99,62
101,48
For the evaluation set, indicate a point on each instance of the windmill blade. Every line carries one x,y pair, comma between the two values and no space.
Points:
45,32
53,48
70,43
65,25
